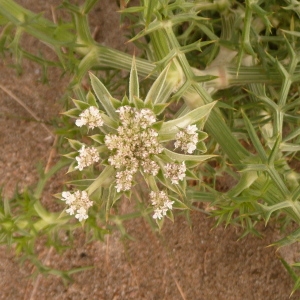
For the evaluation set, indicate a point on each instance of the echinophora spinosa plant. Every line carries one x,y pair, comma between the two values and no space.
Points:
234,68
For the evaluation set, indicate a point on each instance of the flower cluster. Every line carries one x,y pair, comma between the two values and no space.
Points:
87,156
161,204
78,203
133,146
90,117
175,172
187,139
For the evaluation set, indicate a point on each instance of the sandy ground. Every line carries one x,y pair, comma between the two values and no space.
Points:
181,263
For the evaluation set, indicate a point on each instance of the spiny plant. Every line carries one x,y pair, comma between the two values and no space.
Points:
231,67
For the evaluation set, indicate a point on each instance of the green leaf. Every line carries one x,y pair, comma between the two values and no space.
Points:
115,102
133,9
189,174
271,209
178,204
88,5
133,82
82,183
103,96
109,121
72,113
71,155
149,8
49,218
167,183
289,239
160,90
255,140
99,138
157,125
202,135
160,223
91,100
169,129
170,216
159,108
138,103
153,26
201,147
80,104
111,199
105,179
245,182
125,101
289,147
253,167
75,144
293,275
185,157
294,33
296,194
274,151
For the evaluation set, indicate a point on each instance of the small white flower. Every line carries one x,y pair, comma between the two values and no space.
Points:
161,204
126,114
87,156
187,139
168,204
71,210
124,181
81,214
191,147
175,172
150,167
145,118
191,129
68,197
90,117
78,202
157,214
112,141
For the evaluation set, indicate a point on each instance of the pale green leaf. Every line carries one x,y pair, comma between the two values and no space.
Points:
160,90
255,139
169,129
271,209
99,138
105,179
289,147
91,100
80,104
133,82
72,113
185,157
75,144
103,96
178,204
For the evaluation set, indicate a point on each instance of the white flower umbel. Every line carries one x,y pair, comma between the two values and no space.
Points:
175,172
87,156
133,146
78,203
161,204
90,117
187,139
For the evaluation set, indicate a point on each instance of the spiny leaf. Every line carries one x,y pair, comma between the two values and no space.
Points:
133,82
103,96
169,129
